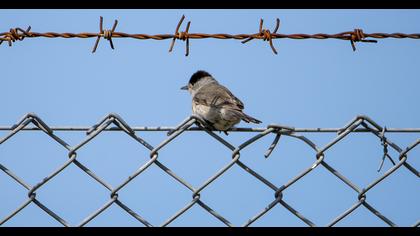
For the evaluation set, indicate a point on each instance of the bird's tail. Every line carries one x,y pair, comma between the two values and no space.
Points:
248,119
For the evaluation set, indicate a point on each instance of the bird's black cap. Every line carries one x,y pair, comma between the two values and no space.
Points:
197,76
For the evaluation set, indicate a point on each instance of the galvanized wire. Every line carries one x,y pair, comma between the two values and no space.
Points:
358,124
357,35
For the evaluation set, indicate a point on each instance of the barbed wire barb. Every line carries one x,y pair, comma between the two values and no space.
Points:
184,36
15,34
265,34
358,36
107,34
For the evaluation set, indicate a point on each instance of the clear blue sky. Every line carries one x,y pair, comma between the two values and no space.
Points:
310,83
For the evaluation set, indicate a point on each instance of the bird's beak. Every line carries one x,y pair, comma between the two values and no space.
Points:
184,87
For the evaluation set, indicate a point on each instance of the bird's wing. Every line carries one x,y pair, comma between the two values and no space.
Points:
218,96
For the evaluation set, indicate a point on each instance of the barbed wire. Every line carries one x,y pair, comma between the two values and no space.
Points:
357,35
358,124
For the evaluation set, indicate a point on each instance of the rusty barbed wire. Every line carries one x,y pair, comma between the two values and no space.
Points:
357,35
107,34
360,124
265,34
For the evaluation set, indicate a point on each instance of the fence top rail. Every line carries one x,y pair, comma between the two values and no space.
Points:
234,129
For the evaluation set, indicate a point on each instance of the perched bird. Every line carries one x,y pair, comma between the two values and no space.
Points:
214,103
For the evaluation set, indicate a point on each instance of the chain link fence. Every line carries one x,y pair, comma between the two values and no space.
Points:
113,122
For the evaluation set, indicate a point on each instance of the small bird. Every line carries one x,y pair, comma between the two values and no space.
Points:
214,103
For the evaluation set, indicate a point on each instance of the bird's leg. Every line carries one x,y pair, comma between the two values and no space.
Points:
209,126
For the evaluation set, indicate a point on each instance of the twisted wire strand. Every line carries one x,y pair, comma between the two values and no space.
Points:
357,35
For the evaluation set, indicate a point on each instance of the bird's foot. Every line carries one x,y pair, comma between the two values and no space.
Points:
224,131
